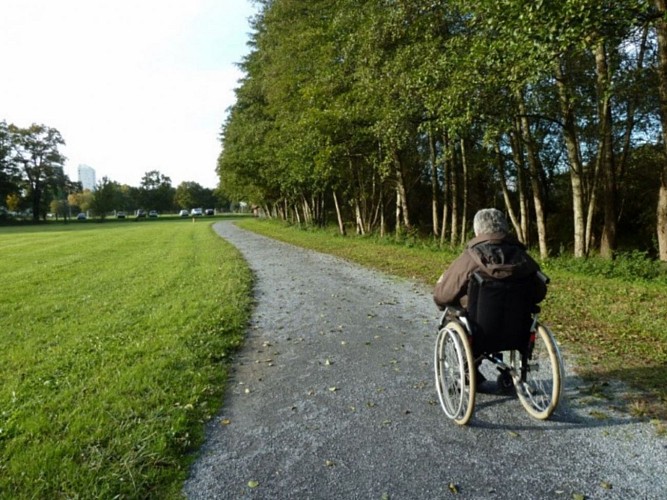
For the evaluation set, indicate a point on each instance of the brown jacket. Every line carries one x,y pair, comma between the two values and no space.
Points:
495,255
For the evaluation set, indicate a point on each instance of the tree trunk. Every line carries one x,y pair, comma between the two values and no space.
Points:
341,225
454,192
445,187
574,157
608,239
434,184
307,212
383,223
297,215
500,165
661,212
534,170
398,210
402,193
517,155
592,199
359,218
464,174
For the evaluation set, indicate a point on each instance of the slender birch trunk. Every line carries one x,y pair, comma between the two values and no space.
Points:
500,165
341,225
464,201
576,167
517,155
445,187
402,193
434,184
454,192
661,210
534,171
608,239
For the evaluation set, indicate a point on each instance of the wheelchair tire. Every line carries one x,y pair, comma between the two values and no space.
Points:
454,379
540,392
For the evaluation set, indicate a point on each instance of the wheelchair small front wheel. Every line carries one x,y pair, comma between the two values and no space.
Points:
539,375
454,379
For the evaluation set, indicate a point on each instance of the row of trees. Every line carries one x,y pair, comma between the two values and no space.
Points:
155,192
402,114
32,179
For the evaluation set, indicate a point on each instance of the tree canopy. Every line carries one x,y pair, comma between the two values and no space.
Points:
411,115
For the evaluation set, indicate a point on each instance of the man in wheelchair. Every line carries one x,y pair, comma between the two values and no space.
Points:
496,283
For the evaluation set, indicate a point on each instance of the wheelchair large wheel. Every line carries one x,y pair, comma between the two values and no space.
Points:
539,375
454,378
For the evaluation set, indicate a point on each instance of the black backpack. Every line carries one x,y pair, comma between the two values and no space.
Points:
499,312
500,306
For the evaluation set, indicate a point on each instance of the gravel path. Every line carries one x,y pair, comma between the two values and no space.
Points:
332,397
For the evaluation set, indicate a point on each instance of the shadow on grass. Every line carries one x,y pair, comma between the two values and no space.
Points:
649,401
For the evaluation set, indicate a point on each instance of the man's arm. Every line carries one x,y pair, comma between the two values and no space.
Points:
453,283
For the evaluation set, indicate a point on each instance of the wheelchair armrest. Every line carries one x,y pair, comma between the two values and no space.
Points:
451,312
454,311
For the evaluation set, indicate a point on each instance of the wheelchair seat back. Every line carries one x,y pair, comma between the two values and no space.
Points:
500,313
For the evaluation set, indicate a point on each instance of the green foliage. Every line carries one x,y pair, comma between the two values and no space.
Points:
364,100
35,152
115,340
105,197
628,266
156,192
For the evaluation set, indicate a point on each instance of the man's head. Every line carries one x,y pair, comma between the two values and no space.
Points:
490,220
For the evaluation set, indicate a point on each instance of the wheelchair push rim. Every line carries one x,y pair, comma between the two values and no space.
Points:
454,380
538,377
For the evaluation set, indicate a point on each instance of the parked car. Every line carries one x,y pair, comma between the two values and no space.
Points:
141,214
183,213
81,216
209,211
120,215
196,212
152,213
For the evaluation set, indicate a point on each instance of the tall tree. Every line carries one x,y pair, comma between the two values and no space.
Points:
105,197
157,192
8,171
35,151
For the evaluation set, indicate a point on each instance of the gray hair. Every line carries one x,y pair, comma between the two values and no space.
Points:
490,220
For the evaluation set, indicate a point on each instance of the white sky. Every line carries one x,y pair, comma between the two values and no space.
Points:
132,85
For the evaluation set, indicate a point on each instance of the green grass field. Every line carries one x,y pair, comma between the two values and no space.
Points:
116,337
114,341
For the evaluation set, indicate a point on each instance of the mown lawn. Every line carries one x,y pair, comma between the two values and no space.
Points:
617,327
114,341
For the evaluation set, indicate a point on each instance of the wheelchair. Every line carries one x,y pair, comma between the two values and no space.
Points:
500,317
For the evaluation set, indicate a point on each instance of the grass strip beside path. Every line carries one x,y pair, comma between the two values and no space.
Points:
617,328
114,341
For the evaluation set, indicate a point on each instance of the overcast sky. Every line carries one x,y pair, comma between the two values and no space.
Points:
132,85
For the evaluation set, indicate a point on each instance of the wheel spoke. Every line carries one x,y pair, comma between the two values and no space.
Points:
452,356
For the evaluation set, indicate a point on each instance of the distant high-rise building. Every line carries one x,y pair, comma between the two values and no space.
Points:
87,177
